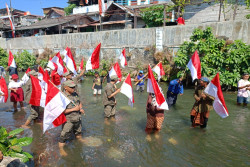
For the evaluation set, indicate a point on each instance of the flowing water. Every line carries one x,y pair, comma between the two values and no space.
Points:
122,141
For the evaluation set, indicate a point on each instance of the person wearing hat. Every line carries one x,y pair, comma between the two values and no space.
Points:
203,105
55,78
16,94
97,84
109,101
35,111
69,76
243,90
73,116
175,87
140,79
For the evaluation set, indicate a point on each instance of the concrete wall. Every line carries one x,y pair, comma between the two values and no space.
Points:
135,40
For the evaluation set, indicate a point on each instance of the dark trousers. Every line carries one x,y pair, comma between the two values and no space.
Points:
171,98
201,126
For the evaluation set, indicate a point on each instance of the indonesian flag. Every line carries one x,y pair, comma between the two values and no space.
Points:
194,66
25,77
127,90
55,105
38,95
214,89
81,65
51,64
69,60
158,69
11,61
59,62
123,58
3,90
101,7
116,71
44,78
153,87
93,61
11,22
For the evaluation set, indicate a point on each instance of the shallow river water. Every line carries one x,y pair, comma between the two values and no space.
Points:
123,142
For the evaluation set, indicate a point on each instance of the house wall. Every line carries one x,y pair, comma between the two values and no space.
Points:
134,40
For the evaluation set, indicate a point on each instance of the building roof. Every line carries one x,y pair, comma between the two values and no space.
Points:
51,22
3,11
56,10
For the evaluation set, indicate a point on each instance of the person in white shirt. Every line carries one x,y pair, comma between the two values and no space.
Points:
243,90
16,94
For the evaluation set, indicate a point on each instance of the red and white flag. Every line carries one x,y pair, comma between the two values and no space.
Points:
25,77
123,58
3,90
101,7
59,62
127,90
115,70
11,22
93,61
55,105
214,89
194,66
38,94
158,69
153,87
11,61
51,64
69,60
81,65
44,78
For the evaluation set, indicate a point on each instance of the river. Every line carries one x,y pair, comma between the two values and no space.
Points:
123,142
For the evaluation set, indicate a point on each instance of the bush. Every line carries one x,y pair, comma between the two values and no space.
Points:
231,59
11,146
25,60
3,58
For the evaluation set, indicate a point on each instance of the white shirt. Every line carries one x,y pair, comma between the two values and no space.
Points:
17,84
243,92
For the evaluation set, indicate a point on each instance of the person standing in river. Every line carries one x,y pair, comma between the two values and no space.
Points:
140,79
109,101
243,90
175,87
97,84
202,106
73,116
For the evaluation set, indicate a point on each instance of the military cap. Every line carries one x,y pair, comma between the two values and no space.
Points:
69,83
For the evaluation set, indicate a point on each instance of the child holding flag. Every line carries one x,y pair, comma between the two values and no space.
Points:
16,94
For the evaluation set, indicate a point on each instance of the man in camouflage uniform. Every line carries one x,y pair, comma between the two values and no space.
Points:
76,79
202,106
109,101
35,111
73,115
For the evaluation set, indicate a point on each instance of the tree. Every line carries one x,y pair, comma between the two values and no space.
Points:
229,58
69,10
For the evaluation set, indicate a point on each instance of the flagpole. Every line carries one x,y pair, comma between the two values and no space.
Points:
146,74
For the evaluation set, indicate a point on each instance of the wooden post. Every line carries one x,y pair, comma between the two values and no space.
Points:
235,9
100,19
135,21
220,10
164,14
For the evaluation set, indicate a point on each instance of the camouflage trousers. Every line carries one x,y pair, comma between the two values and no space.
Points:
109,111
36,113
68,128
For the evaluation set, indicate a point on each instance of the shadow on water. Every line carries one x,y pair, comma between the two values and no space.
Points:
122,141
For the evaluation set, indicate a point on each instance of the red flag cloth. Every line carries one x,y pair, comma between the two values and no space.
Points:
25,77
123,58
51,64
59,62
127,90
11,61
55,105
38,95
3,90
69,60
158,69
81,65
55,78
153,87
214,89
116,71
93,61
194,66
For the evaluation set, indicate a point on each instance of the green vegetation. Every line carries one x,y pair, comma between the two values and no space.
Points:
3,58
153,16
69,10
24,60
229,58
11,146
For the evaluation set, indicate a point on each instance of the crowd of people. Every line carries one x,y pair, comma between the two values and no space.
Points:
155,116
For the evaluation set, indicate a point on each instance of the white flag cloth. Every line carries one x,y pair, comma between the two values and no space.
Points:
55,105
59,62
127,90
116,71
214,89
153,87
122,57
158,69
25,77
194,66
69,61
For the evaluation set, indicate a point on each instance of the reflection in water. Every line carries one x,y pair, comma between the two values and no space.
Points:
122,141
